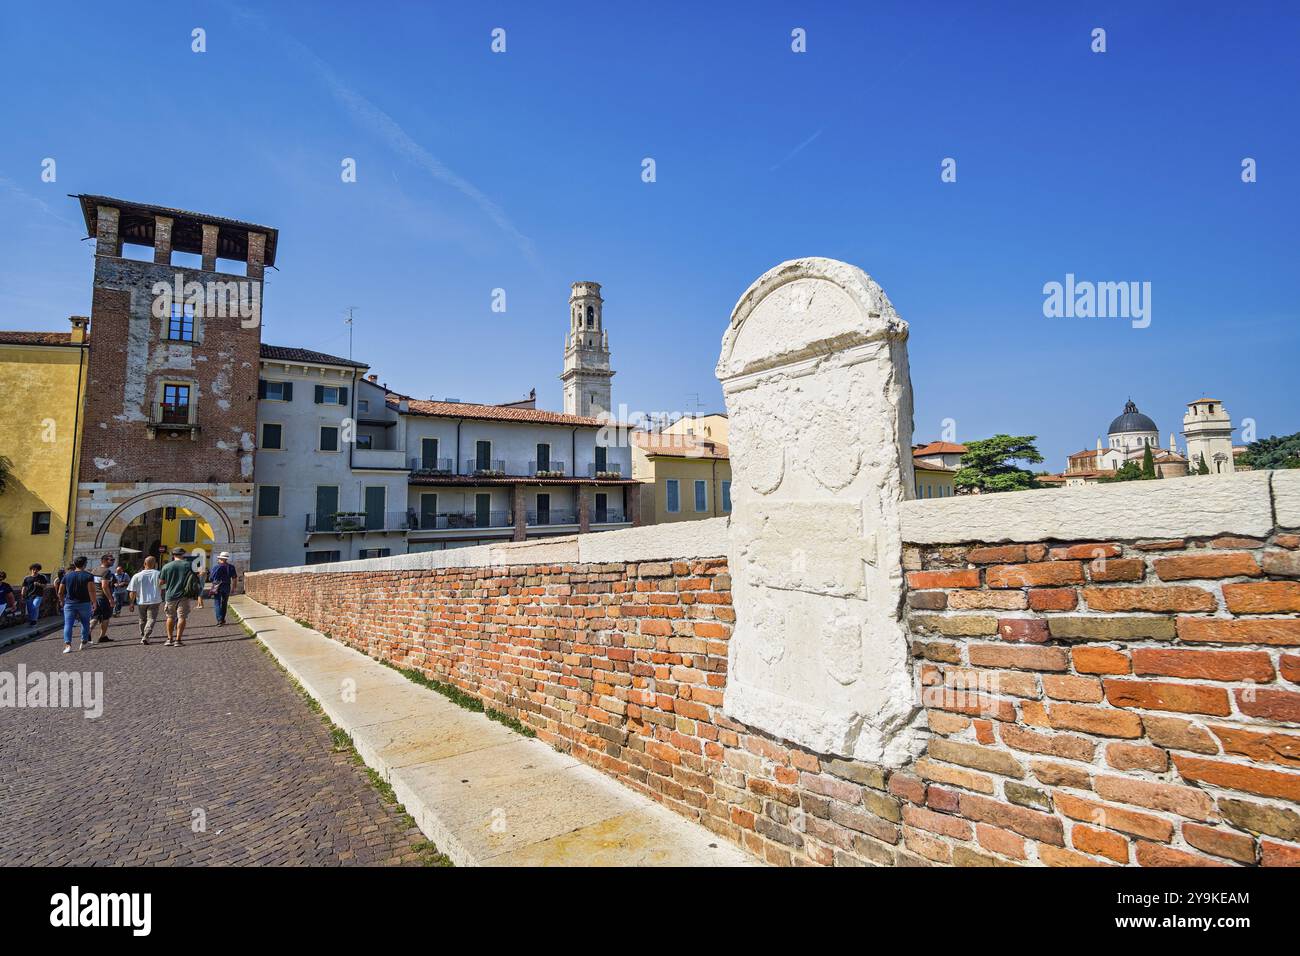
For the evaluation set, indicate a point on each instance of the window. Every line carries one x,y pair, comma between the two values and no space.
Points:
180,327
543,508
272,435
483,511
329,438
189,526
365,441
602,508
363,405
175,404
543,457
40,522
483,456
701,495
673,496
268,501
327,504
375,552
428,510
429,453
275,391
321,557
602,458
331,395
591,317
376,497
726,496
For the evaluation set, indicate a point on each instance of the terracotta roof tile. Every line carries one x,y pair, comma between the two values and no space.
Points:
499,413
676,445
940,448
35,338
284,353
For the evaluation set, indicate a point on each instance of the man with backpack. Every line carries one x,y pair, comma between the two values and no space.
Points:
179,585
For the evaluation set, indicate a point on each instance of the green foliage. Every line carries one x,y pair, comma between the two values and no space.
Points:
1129,471
1148,464
987,465
1273,452
1201,467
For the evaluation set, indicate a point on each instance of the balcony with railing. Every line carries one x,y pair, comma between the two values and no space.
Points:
460,520
388,459
611,515
485,467
552,516
432,466
358,522
611,469
171,416
546,469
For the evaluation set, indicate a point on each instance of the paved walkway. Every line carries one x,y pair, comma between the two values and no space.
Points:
482,792
211,736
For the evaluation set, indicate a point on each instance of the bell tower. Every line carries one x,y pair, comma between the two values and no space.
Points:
1207,427
586,374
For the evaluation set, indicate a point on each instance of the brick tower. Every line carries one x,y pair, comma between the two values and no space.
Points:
171,401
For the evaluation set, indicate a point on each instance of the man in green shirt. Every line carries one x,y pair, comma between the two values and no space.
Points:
176,606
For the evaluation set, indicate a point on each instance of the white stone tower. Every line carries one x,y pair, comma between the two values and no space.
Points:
1208,430
586,354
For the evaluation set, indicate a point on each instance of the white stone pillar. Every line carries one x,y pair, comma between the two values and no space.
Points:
814,370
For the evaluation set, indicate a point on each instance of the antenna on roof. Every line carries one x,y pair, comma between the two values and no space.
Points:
348,320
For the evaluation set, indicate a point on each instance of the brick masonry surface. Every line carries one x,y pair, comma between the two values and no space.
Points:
214,726
1087,703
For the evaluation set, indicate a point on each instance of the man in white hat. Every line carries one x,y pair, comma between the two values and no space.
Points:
223,581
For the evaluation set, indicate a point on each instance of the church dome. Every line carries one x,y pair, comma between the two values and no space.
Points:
1132,421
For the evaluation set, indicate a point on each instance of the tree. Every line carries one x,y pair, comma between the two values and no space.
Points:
987,464
1148,464
1201,467
1273,452
1129,471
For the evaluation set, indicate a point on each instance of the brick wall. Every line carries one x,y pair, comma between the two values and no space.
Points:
128,360
1090,703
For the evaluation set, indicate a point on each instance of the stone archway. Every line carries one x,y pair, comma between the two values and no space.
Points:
110,530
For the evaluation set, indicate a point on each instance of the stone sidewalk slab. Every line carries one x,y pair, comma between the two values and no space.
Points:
486,795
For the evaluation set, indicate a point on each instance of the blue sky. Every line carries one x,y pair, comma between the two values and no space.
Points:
522,171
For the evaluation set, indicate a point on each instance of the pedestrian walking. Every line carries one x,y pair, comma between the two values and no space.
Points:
179,583
223,578
7,595
34,586
146,596
121,589
75,591
103,611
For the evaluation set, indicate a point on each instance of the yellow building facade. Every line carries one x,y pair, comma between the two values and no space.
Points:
43,379
683,477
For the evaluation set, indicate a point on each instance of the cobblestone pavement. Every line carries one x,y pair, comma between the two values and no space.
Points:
212,731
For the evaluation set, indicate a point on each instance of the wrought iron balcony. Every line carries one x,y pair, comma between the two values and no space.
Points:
552,516
358,522
172,416
432,466
612,469
460,520
494,468
549,469
607,516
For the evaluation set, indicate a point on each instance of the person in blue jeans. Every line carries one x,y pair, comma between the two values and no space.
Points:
34,586
76,590
223,579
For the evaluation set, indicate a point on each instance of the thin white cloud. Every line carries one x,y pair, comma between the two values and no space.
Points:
375,120
796,151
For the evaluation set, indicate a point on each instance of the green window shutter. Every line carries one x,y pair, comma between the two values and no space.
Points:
320,394
343,396
288,391
261,388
